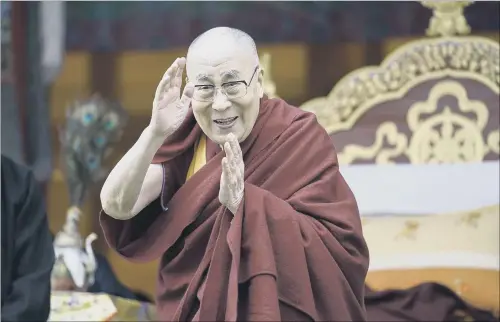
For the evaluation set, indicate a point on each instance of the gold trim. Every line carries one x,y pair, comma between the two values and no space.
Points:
435,136
418,61
386,131
493,141
448,18
445,137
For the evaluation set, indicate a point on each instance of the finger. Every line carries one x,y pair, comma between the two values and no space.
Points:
235,176
241,178
166,80
224,164
181,62
226,169
162,87
223,175
235,146
172,70
228,173
234,179
171,73
229,152
187,95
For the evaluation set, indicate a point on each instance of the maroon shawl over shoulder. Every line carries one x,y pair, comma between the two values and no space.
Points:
293,252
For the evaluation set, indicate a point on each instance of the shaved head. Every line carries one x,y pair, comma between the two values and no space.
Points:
220,42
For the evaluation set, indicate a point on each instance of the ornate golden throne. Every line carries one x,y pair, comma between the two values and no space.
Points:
433,100
418,142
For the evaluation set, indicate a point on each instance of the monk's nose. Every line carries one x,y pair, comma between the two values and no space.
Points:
220,102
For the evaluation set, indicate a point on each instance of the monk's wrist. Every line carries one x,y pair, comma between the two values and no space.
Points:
153,139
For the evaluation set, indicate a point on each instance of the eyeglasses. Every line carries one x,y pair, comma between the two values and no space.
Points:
232,90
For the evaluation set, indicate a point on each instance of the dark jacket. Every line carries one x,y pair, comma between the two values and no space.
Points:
27,252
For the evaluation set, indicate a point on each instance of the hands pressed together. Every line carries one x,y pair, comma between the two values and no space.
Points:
232,181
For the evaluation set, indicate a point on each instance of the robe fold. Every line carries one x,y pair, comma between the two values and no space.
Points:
294,251
27,251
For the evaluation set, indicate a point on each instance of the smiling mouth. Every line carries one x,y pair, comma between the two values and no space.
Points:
226,122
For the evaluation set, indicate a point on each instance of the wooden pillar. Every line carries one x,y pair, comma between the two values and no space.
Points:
19,40
374,53
324,68
328,63
103,74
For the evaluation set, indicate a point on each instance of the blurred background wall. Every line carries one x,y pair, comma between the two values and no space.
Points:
53,54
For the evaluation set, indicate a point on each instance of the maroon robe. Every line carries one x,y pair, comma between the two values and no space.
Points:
423,302
294,251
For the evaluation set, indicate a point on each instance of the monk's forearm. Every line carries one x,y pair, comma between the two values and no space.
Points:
123,186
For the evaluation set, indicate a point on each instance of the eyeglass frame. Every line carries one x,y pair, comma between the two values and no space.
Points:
216,88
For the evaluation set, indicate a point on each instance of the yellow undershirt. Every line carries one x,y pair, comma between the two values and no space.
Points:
198,161
199,156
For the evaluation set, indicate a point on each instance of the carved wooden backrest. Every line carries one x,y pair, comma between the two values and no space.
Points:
434,100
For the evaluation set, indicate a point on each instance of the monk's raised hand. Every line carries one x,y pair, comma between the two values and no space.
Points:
232,181
169,107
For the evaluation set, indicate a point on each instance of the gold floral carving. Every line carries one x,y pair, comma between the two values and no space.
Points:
494,141
410,230
470,219
468,57
445,137
448,18
386,131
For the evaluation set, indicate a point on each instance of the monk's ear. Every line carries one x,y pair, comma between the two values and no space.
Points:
260,81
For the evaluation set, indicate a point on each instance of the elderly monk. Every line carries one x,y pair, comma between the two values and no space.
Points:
240,196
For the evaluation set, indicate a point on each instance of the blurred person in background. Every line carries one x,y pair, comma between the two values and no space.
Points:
27,252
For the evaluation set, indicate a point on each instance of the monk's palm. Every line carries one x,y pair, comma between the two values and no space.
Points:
232,182
169,109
